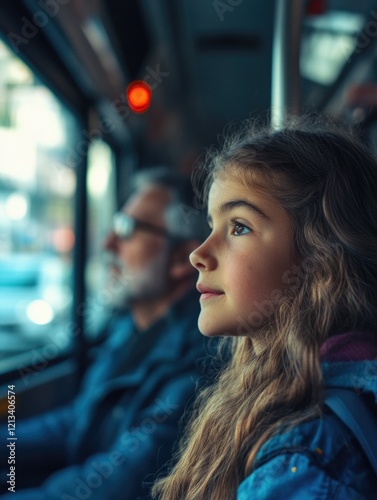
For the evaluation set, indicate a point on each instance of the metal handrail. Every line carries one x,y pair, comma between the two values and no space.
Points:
285,86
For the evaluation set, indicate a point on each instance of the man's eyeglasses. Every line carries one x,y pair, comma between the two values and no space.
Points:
124,227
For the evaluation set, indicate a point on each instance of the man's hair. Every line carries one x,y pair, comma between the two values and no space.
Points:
183,220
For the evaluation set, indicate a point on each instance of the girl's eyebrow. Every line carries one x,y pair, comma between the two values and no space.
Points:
229,205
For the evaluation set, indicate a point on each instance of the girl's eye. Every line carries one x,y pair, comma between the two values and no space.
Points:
239,229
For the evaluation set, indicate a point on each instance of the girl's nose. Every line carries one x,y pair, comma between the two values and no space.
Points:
201,258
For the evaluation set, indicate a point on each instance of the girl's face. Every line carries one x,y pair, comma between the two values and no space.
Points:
242,262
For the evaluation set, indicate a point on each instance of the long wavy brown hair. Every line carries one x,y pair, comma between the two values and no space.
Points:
326,180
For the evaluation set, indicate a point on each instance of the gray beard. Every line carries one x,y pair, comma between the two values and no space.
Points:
140,284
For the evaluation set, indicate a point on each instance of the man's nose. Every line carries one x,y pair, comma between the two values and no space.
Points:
111,242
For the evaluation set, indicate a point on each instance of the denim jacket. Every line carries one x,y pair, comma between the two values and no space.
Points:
319,459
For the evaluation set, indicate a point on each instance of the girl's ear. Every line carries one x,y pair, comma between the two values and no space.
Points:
180,267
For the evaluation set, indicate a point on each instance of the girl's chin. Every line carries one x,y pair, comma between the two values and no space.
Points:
214,332
211,334
210,328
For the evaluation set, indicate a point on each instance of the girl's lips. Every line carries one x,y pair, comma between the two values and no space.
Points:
207,292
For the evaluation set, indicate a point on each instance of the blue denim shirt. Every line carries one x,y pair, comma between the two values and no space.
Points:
318,459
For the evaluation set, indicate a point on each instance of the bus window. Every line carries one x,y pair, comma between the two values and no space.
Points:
101,191
37,187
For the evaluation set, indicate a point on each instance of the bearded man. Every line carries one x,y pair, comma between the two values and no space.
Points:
120,429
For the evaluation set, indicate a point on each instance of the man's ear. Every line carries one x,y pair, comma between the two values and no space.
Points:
180,267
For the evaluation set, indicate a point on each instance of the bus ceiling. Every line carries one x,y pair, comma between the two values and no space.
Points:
207,63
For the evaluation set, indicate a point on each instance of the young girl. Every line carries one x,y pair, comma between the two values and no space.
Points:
289,272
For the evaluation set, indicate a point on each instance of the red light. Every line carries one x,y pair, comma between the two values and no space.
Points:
139,96
316,7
